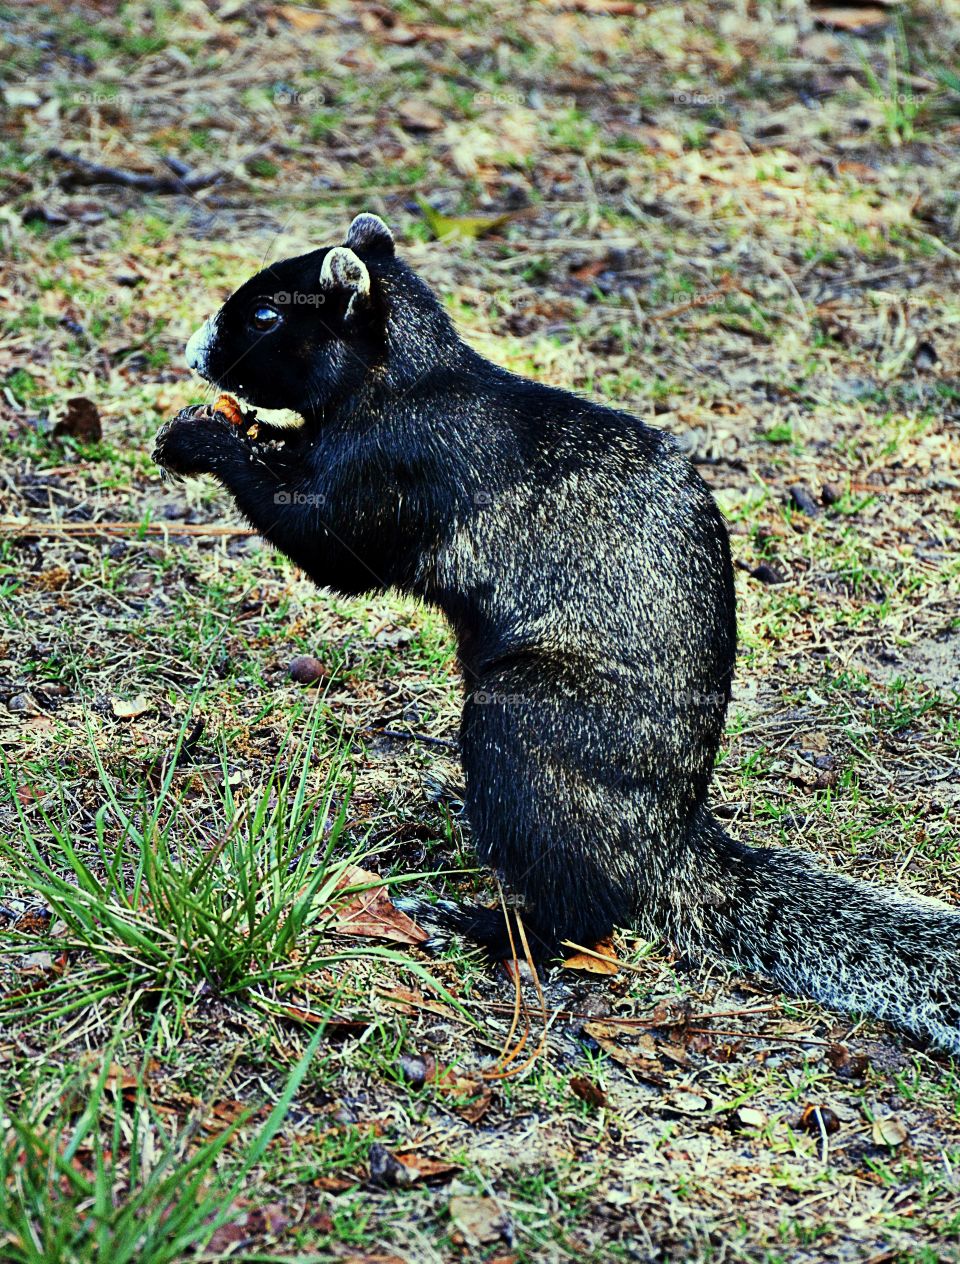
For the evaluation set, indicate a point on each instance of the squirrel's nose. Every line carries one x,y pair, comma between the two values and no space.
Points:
198,348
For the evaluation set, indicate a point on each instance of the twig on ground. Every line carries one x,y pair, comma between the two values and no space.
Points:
19,529
85,172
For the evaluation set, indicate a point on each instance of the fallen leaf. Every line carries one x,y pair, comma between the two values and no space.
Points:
474,1111
120,1080
588,1091
860,170
409,1001
369,912
601,960
749,1117
51,580
417,116
847,1065
302,19
852,20
477,1220
686,1103
646,1068
129,709
671,1012
470,226
889,1131
39,724
676,1053
34,921
590,271
249,1226
426,1171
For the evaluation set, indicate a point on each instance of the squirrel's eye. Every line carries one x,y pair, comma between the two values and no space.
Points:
264,317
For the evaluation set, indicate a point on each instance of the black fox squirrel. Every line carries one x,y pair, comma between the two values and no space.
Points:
586,572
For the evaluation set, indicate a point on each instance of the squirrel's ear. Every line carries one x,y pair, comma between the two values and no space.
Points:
341,269
369,232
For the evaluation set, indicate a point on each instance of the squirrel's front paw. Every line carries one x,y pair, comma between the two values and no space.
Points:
194,442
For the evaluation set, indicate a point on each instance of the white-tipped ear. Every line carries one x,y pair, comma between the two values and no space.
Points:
369,232
342,268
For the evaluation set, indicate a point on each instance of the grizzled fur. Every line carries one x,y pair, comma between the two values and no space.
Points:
585,569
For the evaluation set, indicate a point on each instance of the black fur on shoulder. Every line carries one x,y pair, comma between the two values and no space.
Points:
585,569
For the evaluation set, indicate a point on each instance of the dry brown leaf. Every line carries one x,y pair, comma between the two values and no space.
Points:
409,1000
477,1220
868,175
39,724
370,912
51,580
249,1225
424,1170
417,116
334,1184
600,960
889,1131
452,1082
474,1111
590,271
646,1068
588,1091
119,1079
835,18
302,19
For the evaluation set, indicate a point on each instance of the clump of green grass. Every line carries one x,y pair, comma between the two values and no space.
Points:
82,1185
150,905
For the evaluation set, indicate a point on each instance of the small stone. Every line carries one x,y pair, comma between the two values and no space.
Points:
925,356
307,670
803,500
416,1069
23,704
748,1117
386,1171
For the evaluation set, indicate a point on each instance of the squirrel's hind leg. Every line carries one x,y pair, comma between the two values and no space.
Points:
548,800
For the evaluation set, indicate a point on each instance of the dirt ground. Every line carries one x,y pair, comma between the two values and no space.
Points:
741,221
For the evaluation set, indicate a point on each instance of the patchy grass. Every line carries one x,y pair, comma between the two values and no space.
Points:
736,221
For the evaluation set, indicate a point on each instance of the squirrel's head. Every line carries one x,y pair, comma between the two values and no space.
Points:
308,331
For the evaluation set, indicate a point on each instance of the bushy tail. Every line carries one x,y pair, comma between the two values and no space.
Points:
852,945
